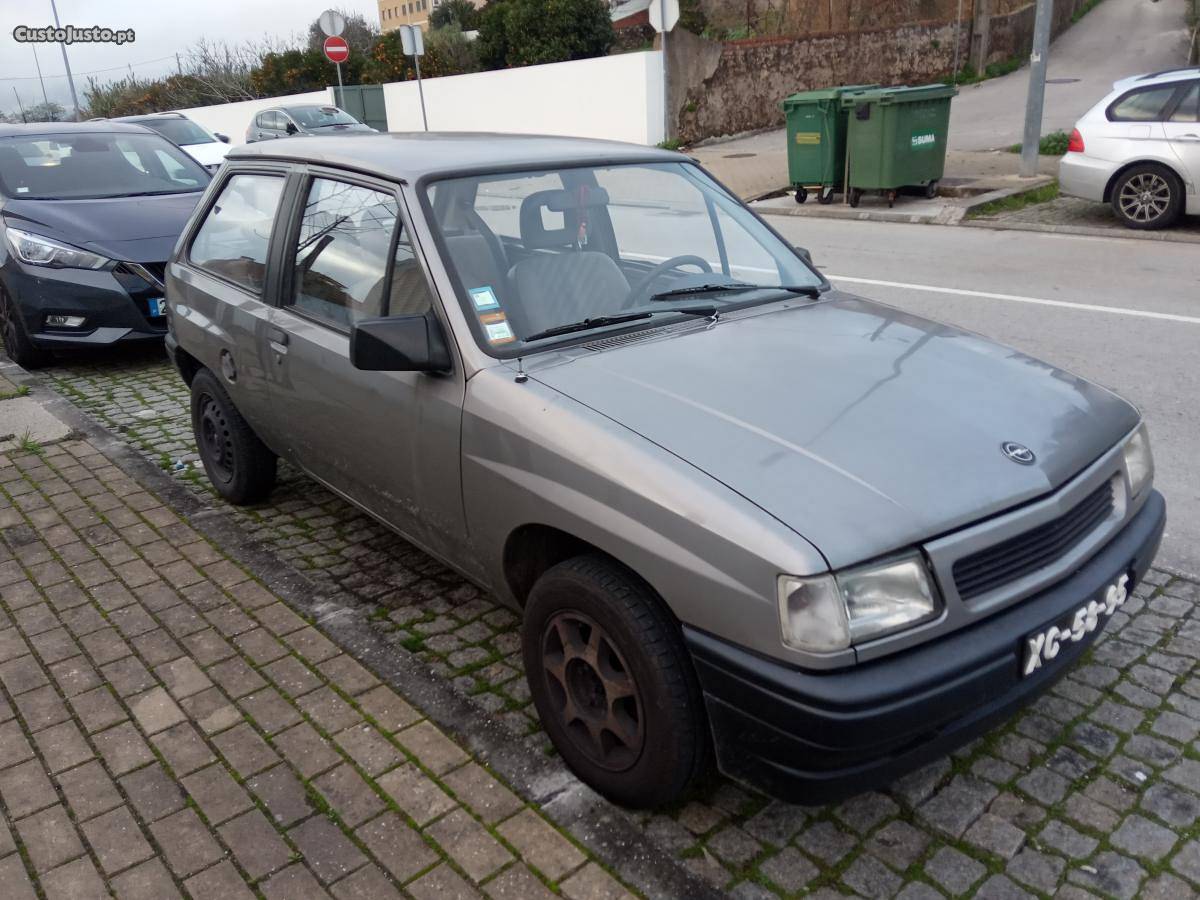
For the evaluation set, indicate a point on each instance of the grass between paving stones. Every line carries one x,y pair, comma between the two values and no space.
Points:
1044,194
22,391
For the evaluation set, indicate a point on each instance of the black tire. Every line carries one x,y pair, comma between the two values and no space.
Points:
855,196
638,656
17,344
931,190
1147,197
825,197
801,194
238,464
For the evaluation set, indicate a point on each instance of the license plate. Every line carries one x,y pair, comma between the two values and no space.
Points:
1042,647
158,306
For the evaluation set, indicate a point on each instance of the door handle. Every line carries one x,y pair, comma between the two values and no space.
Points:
1188,137
278,339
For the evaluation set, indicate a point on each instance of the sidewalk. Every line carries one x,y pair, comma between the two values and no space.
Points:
169,725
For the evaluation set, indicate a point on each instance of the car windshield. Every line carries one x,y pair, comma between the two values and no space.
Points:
95,165
319,116
183,132
584,249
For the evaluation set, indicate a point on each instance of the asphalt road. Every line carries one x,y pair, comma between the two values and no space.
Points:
1116,39
1123,313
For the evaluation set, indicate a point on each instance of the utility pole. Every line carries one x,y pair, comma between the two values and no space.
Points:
957,42
19,105
178,65
666,76
1037,88
66,64
45,99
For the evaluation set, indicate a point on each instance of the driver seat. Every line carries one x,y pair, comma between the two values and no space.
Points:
553,288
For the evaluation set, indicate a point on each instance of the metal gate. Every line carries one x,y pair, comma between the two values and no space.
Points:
365,103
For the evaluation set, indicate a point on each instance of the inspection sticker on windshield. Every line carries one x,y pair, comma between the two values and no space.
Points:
484,298
1043,646
496,327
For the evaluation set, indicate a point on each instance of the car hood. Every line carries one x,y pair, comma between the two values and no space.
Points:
135,229
861,427
208,154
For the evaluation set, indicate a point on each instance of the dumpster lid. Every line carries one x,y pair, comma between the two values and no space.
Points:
900,94
803,98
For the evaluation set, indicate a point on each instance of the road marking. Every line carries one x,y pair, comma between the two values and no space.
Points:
1015,298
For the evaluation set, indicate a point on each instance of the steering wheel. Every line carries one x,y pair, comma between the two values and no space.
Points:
666,266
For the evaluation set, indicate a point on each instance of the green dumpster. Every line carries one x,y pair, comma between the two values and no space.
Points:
816,136
896,139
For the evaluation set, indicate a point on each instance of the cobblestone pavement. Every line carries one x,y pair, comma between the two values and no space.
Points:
1090,792
167,725
1071,211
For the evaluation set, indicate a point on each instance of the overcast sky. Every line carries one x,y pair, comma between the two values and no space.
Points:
163,28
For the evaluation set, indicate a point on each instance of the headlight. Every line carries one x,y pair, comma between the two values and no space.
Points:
832,612
1139,462
42,251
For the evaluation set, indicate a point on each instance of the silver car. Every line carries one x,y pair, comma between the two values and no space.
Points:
1139,150
741,513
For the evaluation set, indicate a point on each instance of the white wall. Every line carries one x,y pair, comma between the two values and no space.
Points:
233,118
615,97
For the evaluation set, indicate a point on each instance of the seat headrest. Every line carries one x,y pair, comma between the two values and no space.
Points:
535,235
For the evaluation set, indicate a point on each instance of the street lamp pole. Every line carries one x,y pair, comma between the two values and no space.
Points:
66,63
45,99
1037,88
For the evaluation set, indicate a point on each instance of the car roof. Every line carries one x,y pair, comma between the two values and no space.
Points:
147,116
34,129
406,156
1164,76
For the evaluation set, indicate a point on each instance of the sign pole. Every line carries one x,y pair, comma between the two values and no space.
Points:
666,77
1037,88
421,91
339,71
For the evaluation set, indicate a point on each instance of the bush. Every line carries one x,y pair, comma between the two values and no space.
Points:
532,32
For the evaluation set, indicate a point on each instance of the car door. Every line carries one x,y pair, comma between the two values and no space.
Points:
387,440
218,286
1182,129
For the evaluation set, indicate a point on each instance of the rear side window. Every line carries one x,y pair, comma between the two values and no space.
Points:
1146,105
1189,107
232,241
342,251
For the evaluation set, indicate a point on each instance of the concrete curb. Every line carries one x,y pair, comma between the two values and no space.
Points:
1087,231
604,828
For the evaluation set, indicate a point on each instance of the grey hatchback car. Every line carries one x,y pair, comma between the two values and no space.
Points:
741,513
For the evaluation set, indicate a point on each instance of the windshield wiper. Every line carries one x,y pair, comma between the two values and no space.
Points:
809,290
617,318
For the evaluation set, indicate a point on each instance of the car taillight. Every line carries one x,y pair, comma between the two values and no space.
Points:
1075,144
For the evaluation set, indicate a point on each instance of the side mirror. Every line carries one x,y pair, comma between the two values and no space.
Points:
399,344
803,253
291,128
223,138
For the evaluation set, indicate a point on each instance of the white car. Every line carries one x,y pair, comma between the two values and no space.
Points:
199,143
1139,149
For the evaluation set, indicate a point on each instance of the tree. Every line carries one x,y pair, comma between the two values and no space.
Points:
455,12
45,112
359,33
449,51
531,32
297,71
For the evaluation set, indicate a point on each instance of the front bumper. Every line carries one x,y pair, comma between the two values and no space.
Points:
113,302
1083,176
808,737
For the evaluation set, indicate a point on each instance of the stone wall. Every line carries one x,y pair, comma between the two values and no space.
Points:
738,87
1004,36
796,18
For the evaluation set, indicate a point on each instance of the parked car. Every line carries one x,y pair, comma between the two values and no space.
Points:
206,147
301,120
89,214
1139,150
737,509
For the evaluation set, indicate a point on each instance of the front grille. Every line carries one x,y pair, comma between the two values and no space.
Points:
1018,556
152,273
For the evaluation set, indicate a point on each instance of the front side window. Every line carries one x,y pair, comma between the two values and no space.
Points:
320,116
548,255
95,166
1146,105
342,251
233,240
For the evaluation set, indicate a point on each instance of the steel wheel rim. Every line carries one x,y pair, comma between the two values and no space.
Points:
1145,197
215,440
592,690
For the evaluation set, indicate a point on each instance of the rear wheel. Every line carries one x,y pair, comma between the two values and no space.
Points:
613,683
238,464
17,344
1147,196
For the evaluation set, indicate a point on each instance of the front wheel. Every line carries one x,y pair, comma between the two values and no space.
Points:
17,343
1148,197
238,464
613,682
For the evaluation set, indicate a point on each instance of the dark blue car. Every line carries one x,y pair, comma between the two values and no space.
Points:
89,214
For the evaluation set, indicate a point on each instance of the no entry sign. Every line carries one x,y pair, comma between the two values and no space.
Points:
336,49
